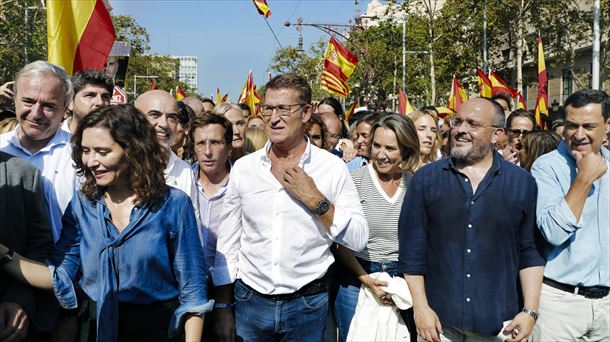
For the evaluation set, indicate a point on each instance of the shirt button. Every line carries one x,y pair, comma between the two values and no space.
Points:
468,299
468,250
471,202
469,225
467,275
465,179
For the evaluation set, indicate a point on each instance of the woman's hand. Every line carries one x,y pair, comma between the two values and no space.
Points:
374,285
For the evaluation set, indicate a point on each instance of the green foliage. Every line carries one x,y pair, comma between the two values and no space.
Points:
128,30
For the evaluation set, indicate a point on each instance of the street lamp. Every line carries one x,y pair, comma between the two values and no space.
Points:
330,29
135,84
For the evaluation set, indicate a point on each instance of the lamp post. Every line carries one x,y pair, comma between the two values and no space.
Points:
135,84
25,45
330,29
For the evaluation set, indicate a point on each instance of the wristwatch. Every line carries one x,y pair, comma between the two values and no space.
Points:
322,207
532,313
6,258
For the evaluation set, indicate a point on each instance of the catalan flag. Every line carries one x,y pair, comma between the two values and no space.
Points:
542,103
339,64
484,83
80,34
457,96
404,105
180,95
498,85
350,111
249,95
521,102
262,8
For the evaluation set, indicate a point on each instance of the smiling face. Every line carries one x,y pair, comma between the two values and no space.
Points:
474,144
585,128
104,158
385,152
210,148
362,136
426,132
161,111
239,127
39,106
88,99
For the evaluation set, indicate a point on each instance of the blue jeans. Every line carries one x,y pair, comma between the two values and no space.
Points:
261,319
345,290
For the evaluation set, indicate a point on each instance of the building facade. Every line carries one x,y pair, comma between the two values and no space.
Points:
187,72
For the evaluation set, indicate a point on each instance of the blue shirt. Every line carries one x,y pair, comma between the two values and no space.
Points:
157,257
469,247
577,252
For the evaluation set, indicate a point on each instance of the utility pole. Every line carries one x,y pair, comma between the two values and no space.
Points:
596,43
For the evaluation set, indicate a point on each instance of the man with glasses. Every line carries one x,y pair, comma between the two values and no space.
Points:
466,236
285,205
574,218
519,123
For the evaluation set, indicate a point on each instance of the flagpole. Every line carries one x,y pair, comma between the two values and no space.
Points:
274,35
596,43
404,52
485,36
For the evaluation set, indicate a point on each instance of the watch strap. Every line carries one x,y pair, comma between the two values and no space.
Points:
532,313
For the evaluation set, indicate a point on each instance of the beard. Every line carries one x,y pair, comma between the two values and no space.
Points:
474,153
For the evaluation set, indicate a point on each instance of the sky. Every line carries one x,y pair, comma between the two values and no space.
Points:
229,37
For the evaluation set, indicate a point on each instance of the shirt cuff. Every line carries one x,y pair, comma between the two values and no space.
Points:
566,218
63,287
199,308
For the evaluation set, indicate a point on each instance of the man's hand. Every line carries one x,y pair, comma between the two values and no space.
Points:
427,323
298,183
14,322
224,325
590,166
511,154
520,328
6,91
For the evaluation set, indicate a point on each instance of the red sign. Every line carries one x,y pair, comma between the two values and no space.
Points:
118,96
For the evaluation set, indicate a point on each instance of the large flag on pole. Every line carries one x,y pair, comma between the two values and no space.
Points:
404,105
457,96
498,85
180,94
249,95
485,87
79,34
339,64
542,103
262,8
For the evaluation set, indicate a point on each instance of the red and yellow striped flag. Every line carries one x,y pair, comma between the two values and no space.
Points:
262,8
457,96
180,95
498,85
521,102
80,34
542,103
485,87
404,105
350,112
249,95
339,64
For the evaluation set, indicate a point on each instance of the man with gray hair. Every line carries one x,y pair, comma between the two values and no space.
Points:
43,92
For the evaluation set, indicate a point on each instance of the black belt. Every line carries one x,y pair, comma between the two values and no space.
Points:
315,287
593,292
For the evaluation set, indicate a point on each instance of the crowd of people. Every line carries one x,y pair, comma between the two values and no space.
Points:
168,220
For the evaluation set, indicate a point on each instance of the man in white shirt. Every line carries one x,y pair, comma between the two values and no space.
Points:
43,92
161,111
284,207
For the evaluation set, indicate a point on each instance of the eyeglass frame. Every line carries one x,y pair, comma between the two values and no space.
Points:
272,109
470,126
522,132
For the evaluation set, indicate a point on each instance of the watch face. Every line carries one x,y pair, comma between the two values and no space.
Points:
323,207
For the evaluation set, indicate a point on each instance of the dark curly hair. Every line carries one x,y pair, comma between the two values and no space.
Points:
145,156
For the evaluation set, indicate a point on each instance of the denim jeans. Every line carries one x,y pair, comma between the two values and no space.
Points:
261,319
344,294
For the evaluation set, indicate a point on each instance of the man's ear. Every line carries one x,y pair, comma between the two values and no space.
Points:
496,135
307,113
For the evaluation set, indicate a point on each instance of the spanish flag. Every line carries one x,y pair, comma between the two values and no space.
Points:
218,96
180,95
339,64
262,8
457,96
484,84
249,95
521,102
498,85
404,105
79,34
351,111
542,107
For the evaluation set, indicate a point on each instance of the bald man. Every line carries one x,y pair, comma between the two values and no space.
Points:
161,111
195,104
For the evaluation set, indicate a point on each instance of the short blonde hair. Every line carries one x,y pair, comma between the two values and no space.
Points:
255,139
406,136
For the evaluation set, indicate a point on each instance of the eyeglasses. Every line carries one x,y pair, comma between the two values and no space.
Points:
214,143
471,125
283,110
518,132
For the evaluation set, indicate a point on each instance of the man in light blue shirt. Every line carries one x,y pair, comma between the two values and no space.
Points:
573,215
